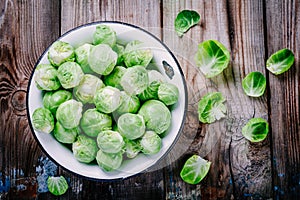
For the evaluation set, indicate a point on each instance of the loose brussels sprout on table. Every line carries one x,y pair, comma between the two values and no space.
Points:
101,98
256,130
254,84
280,61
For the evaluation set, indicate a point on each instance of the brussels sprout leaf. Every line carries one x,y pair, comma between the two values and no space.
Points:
185,20
212,58
254,84
194,169
211,107
256,130
280,61
57,185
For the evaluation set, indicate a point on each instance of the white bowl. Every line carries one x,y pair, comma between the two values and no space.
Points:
62,155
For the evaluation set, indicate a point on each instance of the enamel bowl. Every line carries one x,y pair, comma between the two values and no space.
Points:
165,62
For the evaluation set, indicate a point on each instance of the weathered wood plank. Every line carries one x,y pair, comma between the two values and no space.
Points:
24,25
283,27
145,14
235,162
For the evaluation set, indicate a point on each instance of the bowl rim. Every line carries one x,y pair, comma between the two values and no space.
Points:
30,81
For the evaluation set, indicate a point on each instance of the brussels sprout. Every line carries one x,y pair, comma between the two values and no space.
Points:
156,115
256,130
110,141
82,53
185,20
119,49
69,113
150,92
57,185
155,75
52,100
107,99
135,80
102,59
132,148
60,52
254,84
93,122
63,135
104,35
87,88
212,58
129,104
69,74
46,77
131,126
109,161
114,78
280,61
194,169
168,93
211,107
43,120
136,54
150,143
84,149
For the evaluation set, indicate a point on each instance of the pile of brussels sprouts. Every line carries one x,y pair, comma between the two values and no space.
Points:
101,98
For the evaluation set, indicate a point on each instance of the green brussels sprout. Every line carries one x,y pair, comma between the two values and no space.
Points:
211,107
136,54
156,115
129,104
69,113
52,100
280,61
84,149
109,161
185,20
254,84
150,143
135,80
69,74
155,75
212,58
119,49
102,59
63,135
107,99
60,52
110,141
194,169
168,93
151,92
82,53
57,185
131,126
43,120
93,122
87,88
132,148
256,130
114,78
46,77
104,35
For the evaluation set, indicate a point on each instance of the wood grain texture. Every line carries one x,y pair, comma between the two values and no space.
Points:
21,44
283,29
235,162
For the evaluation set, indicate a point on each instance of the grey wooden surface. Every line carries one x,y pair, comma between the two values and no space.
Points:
251,30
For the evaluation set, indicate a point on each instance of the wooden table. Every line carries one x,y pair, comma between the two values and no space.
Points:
252,30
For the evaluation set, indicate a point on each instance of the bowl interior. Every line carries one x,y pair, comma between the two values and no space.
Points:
125,33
